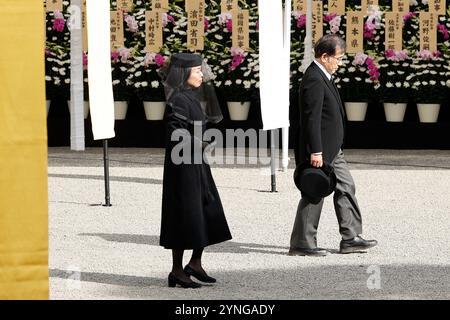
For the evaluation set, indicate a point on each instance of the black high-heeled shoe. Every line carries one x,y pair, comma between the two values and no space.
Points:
203,278
173,281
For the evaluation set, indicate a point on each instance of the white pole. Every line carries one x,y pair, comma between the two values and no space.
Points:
287,52
308,55
76,78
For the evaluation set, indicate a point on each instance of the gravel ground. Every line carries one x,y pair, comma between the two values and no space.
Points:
101,252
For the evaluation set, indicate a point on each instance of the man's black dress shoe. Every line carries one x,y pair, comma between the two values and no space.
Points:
173,281
203,278
356,244
315,252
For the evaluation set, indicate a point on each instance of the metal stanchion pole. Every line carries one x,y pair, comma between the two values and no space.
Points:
106,169
272,161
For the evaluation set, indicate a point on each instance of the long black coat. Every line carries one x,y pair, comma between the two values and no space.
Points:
322,117
192,213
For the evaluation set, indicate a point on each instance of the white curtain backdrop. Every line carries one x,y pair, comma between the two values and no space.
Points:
99,69
274,66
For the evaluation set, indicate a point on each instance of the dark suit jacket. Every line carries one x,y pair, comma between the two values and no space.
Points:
322,117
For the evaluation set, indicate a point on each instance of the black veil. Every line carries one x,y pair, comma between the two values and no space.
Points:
174,78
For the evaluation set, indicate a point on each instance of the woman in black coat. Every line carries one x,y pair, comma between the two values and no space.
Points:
192,213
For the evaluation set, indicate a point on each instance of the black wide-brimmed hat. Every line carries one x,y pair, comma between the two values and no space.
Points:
186,60
315,183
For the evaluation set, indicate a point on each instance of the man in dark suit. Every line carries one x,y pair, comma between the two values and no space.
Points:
320,137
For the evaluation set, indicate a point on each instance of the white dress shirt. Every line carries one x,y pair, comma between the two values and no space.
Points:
323,69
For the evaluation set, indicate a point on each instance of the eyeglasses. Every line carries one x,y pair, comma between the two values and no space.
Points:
338,59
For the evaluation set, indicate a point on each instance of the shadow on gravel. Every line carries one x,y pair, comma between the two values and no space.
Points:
228,246
106,278
359,282
112,178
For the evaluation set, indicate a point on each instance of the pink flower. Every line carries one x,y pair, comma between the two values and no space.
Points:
124,54
85,59
160,60
166,18
149,59
229,25
359,59
389,53
408,16
206,23
443,30
59,22
425,55
115,56
335,23
437,54
369,30
132,24
397,56
238,57
374,72
329,17
301,21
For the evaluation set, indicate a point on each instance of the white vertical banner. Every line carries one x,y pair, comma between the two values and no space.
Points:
287,47
76,78
99,69
274,63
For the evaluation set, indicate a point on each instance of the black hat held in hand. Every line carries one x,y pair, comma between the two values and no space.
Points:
315,183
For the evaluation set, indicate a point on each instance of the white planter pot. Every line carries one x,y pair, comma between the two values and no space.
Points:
154,110
238,111
47,103
85,108
394,112
356,111
428,112
120,109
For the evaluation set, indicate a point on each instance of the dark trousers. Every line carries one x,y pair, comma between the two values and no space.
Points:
304,233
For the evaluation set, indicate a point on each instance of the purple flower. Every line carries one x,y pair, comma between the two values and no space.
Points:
408,16
441,28
238,57
229,25
160,60
374,72
257,25
115,56
301,21
166,18
59,22
389,53
329,17
437,54
369,30
206,23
